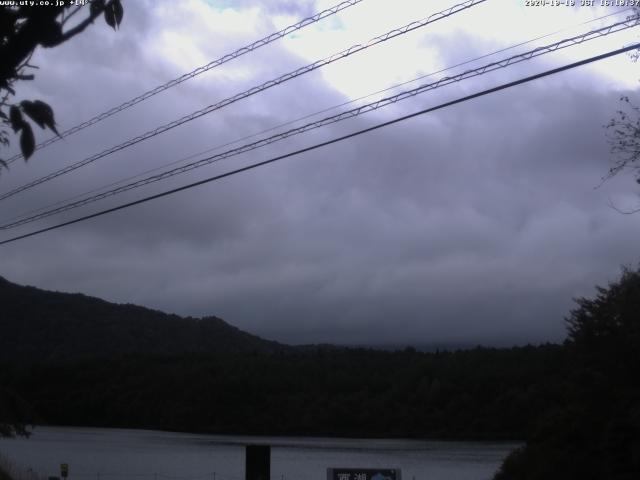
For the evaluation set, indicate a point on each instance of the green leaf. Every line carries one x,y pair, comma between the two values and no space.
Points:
118,11
15,117
27,141
41,113
29,108
113,14
110,16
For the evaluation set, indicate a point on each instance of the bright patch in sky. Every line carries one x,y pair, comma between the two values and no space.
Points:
484,28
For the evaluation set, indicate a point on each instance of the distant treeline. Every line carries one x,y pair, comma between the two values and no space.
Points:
479,393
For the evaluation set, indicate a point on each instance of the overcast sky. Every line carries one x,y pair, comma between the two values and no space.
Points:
477,223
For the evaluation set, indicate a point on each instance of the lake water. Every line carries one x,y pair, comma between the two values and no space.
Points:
117,454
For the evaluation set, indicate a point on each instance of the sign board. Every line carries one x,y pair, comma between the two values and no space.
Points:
257,462
64,470
364,474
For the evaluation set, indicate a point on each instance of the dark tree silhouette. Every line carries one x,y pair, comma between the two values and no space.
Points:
607,327
596,434
22,30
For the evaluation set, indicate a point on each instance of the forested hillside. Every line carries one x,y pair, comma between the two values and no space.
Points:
38,325
79,360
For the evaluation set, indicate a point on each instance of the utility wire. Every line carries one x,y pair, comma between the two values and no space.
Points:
205,68
291,122
488,91
252,91
578,39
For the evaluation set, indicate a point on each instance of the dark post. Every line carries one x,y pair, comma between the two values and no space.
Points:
258,462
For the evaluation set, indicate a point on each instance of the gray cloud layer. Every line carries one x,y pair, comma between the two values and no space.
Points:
475,224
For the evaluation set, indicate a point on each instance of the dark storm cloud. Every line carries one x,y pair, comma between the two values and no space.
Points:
477,223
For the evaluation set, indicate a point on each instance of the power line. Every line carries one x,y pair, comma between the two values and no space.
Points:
291,122
536,52
342,116
205,68
252,91
504,86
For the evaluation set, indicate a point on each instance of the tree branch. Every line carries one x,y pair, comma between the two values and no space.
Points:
67,17
82,25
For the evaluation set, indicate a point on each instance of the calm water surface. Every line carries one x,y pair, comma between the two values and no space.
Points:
116,454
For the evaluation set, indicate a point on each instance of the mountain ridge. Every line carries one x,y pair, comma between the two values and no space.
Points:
38,324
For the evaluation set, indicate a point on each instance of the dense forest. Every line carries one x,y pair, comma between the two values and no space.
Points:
481,393
577,404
